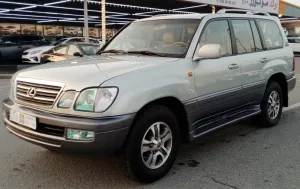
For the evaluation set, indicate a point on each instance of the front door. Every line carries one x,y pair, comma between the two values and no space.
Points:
217,81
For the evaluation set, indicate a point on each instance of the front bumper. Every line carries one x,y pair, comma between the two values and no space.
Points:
110,132
35,59
291,83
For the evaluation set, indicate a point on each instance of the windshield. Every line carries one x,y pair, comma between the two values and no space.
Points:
166,37
90,49
58,42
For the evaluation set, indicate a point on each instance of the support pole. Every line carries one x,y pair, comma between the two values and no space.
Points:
86,22
103,16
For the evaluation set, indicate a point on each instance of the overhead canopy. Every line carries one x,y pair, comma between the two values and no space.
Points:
70,12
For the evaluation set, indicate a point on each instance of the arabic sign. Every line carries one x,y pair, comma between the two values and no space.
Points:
271,6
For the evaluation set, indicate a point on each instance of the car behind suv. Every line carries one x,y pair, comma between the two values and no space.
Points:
159,82
34,55
12,46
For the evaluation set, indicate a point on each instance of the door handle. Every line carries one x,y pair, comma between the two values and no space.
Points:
233,66
264,60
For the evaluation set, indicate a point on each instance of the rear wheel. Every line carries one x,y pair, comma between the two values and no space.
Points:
271,105
152,146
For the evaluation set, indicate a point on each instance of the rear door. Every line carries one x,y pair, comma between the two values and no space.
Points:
10,48
249,50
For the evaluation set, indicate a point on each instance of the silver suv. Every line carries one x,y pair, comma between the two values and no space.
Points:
159,82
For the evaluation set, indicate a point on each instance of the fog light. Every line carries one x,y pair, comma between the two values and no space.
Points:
80,135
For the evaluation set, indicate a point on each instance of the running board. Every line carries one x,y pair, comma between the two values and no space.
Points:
208,125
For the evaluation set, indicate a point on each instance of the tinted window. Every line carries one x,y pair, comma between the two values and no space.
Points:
61,49
73,49
13,40
90,49
75,40
93,41
294,40
30,38
271,34
217,32
243,36
257,40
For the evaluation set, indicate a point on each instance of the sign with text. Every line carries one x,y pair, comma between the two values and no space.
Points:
271,6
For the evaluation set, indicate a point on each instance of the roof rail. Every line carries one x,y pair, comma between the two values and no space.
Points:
250,12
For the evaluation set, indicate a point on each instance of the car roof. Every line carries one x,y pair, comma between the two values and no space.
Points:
200,16
174,16
77,38
80,43
20,35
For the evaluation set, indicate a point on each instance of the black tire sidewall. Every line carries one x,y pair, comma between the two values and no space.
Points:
149,117
266,120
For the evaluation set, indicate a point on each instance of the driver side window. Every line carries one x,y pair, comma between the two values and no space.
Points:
217,32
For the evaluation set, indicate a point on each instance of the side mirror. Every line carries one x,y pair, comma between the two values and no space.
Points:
210,51
78,54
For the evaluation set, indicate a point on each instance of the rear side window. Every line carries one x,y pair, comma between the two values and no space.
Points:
294,40
256,37
243,36
217,32
61,49
271,34
13,40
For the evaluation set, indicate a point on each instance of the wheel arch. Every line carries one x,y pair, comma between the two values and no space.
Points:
280,78
177,108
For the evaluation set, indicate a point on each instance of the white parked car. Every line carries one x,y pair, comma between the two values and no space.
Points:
295,44
34,55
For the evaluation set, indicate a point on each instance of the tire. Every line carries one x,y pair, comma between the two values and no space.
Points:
132,163
272,119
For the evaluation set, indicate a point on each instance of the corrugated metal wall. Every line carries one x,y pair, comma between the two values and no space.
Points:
292,11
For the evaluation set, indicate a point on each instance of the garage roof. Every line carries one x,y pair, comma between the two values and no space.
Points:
70,12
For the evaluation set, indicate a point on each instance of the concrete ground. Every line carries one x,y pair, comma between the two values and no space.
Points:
238,156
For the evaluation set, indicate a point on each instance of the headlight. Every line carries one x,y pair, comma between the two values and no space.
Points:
67,99
86,100
35,52
105,98
12,87
96,100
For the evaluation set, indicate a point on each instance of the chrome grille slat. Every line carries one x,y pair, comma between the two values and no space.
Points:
46,94
39,86
35,102
47,91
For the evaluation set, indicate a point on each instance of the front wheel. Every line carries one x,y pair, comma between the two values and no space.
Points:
152,146
271,105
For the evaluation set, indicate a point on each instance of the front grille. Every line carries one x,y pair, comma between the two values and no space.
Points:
50,130
25,53
42,94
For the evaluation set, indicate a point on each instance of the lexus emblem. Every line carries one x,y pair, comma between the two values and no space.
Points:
31,92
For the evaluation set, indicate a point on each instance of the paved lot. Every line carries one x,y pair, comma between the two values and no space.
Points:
239,156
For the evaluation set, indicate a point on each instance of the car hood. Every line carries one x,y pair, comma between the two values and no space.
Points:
91,71
43,48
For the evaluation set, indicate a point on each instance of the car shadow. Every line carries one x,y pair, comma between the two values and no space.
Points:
77,170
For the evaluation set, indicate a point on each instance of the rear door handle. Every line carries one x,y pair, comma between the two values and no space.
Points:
233,66
264,60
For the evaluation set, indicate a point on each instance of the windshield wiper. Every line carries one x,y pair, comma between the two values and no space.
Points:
115,51
146,53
